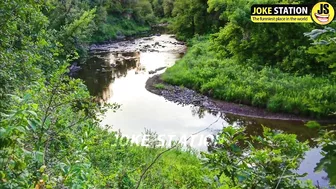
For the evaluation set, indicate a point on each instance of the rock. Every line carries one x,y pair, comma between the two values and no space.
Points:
73,69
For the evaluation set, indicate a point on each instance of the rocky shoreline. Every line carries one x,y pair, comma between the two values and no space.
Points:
185,96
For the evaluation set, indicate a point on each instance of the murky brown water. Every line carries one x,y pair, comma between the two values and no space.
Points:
113,74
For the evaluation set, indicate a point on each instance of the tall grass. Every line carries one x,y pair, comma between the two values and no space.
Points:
226,79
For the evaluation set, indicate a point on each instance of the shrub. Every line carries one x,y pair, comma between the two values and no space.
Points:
225,79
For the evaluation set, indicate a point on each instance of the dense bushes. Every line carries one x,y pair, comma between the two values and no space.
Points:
117,27
281,67
191,18
257,164
234,35
51,138
225,79
50,134
119,164
55,141
107,20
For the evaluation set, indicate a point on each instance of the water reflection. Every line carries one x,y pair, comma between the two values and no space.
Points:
198,111
97,76
101,69
121,69
254,126
120,77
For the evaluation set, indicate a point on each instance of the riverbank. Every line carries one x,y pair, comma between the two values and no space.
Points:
125,85
127,30
207,72
185,96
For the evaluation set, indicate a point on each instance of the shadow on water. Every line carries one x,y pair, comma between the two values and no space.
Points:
114,76
254,126
98,74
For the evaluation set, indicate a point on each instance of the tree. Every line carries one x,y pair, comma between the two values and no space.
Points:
324,46
190,18
168,6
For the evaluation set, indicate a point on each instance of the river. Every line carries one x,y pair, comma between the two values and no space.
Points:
118,72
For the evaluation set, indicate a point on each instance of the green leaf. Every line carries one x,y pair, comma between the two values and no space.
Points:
21,129
33,124
39,156
313,125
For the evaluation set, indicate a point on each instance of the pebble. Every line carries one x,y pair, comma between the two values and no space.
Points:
186,96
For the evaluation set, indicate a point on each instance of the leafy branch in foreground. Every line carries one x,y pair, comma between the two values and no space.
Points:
327,142
328,162
324,45
268,161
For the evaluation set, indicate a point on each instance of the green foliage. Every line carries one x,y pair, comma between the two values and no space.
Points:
261,45
37,150
79,31
51,137
83,22
25,47
324,46
158,8
120,163
160,86
168,6
50,133
143,12
201,69
190,18
267,162
328,162
115,27
313,125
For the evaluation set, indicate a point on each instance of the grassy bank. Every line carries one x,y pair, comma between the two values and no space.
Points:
119,164
226,79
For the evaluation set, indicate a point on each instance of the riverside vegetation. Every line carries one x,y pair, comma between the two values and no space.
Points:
282,67
50,133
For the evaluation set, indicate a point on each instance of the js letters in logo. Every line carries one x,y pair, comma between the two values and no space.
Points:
323,13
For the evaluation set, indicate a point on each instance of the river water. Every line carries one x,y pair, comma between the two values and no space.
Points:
117,73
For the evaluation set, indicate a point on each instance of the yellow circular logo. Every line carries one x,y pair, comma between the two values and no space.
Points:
323,13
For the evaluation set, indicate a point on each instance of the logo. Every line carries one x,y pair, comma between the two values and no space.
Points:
323,13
